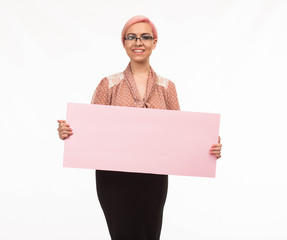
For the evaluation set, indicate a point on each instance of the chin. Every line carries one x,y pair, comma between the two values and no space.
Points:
140,60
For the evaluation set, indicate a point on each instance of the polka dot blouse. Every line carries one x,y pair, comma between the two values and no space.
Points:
120,90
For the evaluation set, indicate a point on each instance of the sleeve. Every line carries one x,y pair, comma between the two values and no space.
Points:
102,94
172,100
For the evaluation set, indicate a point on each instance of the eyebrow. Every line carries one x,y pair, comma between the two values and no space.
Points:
141,34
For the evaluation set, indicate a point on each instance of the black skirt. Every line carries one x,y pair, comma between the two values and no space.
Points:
132,203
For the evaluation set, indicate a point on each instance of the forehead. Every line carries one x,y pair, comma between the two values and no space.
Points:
139,28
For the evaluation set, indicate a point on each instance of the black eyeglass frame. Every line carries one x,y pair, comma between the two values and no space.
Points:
140,38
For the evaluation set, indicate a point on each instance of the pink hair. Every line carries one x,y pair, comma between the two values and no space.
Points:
138,19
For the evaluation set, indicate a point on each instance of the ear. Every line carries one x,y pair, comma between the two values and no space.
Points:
154,43
125,45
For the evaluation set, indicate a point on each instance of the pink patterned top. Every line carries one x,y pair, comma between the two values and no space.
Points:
120,90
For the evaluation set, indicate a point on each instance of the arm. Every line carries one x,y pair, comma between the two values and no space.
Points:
101,96
172,104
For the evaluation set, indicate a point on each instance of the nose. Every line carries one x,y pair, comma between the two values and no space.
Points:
138,42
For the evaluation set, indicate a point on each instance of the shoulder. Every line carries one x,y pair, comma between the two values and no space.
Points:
165,82
114,79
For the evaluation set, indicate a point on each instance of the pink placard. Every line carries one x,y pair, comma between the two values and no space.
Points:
141,140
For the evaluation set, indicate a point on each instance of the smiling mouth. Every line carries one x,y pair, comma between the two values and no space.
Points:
138,51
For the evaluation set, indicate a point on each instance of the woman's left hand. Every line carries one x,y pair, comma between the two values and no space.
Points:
216,149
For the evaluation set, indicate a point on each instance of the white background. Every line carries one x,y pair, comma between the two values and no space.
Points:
227,57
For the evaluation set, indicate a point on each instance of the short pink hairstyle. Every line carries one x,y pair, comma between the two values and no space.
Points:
138,19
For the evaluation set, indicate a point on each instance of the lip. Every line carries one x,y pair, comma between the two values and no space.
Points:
138,53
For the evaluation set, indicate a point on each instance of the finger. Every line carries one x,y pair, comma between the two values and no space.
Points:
66,132
215,153
64,136
216,145
61,121
61,129
65,129
215,149
219,139
64,126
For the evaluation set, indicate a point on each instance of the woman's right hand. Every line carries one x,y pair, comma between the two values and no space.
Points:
64,129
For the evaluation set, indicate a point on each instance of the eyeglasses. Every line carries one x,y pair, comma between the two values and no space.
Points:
143,38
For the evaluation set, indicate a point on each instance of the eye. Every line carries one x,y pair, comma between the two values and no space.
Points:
130,37
146,37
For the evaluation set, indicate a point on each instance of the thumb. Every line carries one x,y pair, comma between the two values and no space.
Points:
61,121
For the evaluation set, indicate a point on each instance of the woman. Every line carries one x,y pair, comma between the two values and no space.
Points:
133,202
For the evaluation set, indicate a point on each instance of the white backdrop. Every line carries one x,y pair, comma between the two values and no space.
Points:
227,57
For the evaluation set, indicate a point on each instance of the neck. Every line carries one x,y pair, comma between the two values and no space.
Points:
140,68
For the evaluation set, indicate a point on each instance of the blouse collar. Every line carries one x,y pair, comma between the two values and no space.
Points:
152,78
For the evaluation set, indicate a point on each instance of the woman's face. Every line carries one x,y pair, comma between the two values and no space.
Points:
139,50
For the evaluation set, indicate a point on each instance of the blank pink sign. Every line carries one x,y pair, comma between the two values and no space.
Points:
141,140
